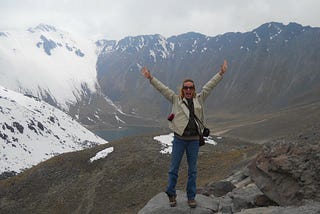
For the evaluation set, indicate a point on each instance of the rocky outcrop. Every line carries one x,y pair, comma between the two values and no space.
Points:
308,208
159,205
288,173
282,179
244,199
240,193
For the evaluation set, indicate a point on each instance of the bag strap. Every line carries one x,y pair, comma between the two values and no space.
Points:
194,115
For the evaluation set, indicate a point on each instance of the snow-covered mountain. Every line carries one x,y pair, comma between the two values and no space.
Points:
32,131
47,62
59,68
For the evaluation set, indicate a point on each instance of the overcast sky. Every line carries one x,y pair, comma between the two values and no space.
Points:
115,19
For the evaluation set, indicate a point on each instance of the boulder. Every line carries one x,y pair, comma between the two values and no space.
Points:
159,204
218,189
244,198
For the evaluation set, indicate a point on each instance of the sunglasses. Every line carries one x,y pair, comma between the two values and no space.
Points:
188,87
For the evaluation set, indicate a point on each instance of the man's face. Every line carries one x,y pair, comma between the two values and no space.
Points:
188,90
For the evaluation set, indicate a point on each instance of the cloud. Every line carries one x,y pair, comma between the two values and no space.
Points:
117,19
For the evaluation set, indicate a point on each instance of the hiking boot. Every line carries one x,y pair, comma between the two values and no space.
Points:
192,203
172,199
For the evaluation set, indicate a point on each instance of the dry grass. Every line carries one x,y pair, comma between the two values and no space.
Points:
121,183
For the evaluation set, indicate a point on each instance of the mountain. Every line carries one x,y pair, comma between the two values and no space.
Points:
273,73
272,67
32,131
60,69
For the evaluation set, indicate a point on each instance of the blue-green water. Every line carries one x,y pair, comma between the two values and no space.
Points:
115,134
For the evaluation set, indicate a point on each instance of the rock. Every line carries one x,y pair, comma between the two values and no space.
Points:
288,172
225,205
310,207
217,189
243,183
243,198
7,174
263,201
159,204
238,176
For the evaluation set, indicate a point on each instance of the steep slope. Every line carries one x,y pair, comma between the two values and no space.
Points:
32,131
62,67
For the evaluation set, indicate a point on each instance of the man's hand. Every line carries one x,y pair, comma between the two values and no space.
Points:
224,67
146,73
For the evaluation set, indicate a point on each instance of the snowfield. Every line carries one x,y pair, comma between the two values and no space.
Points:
32,131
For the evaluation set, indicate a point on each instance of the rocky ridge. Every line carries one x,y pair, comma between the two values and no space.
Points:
282,179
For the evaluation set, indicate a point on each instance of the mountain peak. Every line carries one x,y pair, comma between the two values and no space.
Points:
3,34
269,25
293,26
43,27
189,35
48,54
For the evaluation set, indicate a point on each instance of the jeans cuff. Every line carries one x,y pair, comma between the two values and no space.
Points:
170,194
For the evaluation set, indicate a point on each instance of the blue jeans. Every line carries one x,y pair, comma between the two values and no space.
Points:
178,148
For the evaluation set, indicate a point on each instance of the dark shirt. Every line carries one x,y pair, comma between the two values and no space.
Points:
192,128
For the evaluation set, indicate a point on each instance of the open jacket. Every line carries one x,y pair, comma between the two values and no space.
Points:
179,109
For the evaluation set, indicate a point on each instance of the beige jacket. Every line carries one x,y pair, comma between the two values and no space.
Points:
179,109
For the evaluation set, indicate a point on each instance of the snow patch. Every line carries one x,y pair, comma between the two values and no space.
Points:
166,142
102,154
119,120
258,39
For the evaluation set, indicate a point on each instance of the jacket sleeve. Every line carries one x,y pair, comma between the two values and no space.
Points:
163,89
207,88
